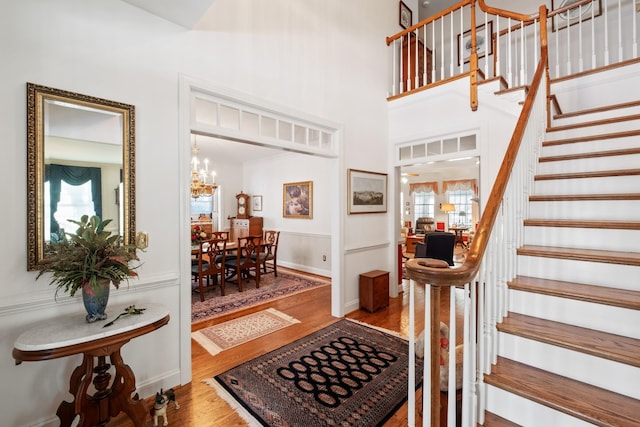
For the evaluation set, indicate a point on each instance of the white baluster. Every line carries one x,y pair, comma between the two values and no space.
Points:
509,72
411,415
606,33
620,55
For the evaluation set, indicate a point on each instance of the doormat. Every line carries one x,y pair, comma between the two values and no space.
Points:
271,288
345,374
226,335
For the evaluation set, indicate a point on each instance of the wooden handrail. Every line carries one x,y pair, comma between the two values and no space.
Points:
428,20
418,269
506,13
568,7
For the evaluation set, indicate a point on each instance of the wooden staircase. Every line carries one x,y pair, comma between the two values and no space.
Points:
569,348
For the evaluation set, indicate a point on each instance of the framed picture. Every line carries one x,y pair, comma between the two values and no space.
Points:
483,46
297,200
367,192
573,16
256,203
405,15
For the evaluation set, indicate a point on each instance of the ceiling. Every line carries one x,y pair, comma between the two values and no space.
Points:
192,13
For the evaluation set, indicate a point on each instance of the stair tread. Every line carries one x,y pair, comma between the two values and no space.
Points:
591,155
624,134
594,123
578,197
592,293
594,255
493,420
608,224
586,402
618,348
597,109
588,174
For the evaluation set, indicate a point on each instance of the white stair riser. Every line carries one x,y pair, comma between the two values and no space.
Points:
630,161
594,130
614,320
591,146
600,115
612,210
603,373
587,272
526,412
604,185
585,238
587,91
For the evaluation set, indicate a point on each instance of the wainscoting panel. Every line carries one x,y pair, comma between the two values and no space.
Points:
306,252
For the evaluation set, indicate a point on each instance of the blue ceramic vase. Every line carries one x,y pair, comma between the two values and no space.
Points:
95,300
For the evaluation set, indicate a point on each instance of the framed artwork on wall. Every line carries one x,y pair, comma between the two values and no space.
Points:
484,44
367,192
405,15
297,200
569,17
256,203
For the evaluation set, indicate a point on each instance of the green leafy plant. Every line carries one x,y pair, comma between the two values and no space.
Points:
87,257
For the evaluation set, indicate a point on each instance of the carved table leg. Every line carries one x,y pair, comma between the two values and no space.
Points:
78,386
121,398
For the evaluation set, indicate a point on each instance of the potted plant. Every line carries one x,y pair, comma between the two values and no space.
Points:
91,259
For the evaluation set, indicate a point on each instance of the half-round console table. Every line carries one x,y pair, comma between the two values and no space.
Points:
70,335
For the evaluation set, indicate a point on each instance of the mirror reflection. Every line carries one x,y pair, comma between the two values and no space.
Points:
80,161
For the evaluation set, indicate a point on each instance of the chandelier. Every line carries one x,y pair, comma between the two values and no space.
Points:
201,185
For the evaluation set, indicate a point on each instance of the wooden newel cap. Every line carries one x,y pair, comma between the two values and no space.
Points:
428,262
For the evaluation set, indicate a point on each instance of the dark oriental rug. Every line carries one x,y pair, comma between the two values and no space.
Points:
346,374
271,288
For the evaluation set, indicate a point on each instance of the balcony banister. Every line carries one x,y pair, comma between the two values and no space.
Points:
428,20
507,13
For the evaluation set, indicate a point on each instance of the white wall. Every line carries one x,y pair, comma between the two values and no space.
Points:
321,57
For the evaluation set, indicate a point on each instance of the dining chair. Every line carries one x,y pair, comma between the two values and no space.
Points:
246,260
220,235
270,252
211,263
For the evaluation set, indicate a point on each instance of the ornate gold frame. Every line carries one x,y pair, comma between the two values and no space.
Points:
36,97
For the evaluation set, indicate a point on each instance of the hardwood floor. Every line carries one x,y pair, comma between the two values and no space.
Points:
199,404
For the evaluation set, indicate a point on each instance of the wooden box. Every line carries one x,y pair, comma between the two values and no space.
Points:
374,290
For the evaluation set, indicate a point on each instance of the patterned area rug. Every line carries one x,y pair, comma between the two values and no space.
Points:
271,288
346,374
241,330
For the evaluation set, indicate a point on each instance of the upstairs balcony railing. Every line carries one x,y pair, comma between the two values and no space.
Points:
584,35
523,50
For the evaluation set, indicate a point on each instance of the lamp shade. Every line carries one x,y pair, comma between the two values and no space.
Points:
447,207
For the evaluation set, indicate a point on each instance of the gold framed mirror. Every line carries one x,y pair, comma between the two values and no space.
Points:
80,159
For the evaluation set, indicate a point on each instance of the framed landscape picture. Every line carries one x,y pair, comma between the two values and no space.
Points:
367,192
297,200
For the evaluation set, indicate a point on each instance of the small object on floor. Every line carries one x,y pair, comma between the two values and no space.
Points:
160,406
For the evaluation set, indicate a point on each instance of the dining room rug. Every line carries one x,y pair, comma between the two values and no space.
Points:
231,333
271,288
346,374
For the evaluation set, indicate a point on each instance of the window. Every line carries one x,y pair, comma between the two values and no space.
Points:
461,199
75,201
423,205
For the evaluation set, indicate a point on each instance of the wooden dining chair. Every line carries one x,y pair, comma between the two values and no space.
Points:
270,252
247,260
211,263
220,235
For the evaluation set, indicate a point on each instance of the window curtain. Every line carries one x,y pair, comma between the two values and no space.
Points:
73,175
460,184
423,187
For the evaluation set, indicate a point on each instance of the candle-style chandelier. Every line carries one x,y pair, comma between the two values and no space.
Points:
201,185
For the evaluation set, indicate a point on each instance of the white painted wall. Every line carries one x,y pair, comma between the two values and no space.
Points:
321,57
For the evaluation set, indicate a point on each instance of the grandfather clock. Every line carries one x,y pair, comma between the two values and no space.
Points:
243,224
242,201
